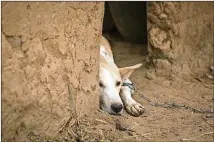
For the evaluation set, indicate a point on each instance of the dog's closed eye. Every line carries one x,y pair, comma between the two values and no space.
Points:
101,84
118,83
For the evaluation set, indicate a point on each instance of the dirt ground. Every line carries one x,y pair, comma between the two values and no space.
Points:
39,99
160,123
157,123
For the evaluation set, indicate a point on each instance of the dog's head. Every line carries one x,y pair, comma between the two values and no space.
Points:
111,79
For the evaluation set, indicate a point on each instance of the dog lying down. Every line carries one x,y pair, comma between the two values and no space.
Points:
115,86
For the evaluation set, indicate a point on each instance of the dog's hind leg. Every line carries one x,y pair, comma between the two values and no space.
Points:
132,107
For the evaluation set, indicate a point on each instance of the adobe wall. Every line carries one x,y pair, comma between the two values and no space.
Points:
180,37
47,46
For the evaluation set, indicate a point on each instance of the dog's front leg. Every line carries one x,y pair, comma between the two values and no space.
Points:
132,107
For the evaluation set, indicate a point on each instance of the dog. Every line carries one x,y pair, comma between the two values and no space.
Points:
115,87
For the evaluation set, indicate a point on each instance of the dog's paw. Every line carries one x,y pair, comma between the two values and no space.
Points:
135,109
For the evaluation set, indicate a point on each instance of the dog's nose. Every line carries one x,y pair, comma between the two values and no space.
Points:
116,107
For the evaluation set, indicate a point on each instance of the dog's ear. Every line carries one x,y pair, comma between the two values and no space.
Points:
127,71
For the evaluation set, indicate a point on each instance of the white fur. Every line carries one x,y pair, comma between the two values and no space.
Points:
110,93
105,54
130,104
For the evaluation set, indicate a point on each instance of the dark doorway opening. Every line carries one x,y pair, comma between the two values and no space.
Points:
127,19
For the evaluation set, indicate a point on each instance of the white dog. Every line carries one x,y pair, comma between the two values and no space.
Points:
115,87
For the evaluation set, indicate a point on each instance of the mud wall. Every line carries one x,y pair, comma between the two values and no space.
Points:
180,37
47,46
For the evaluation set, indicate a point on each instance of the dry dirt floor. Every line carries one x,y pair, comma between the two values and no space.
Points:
157,123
